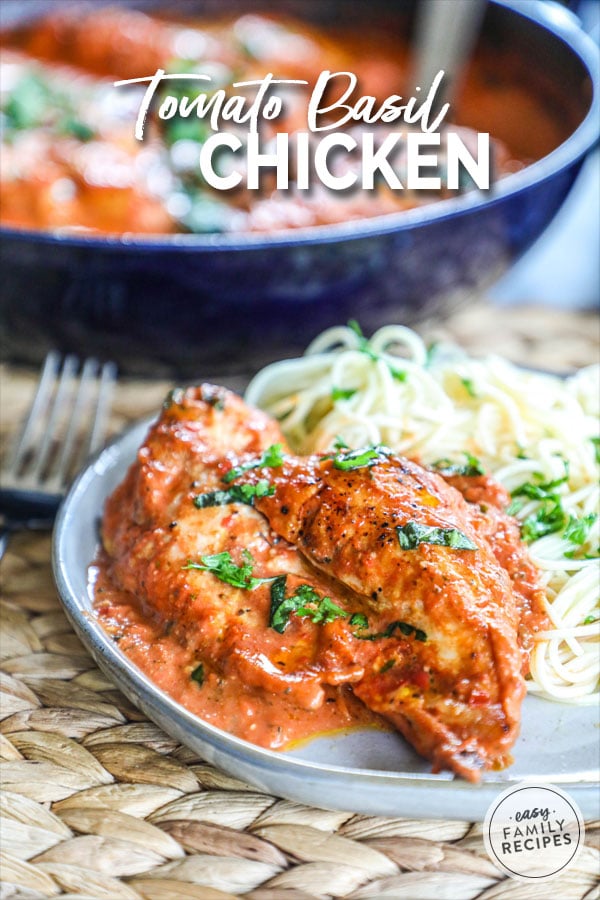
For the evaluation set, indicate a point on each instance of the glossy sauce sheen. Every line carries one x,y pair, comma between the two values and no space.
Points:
79,167
455,694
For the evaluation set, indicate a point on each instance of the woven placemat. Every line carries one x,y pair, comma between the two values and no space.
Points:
98,802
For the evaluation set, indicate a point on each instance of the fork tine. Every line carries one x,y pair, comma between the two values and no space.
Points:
60,398
39,406
65,461
108,379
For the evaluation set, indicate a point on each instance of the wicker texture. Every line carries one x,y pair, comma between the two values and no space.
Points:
100,803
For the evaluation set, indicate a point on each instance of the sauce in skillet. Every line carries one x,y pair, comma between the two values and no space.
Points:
70,160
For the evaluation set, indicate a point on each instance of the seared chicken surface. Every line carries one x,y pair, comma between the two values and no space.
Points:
294,577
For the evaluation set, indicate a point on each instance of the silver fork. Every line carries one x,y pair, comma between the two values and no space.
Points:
65,425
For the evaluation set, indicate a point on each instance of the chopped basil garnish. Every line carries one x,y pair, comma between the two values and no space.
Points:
281,608
198,674
412,534
179,128
515,507
358,459
363,347
175,396
272,458
538,489
596,442
324,609
27,103
469,387
223,567
589,620
470,468
76,128
577,530
342,393
550,517
237,493
403,627
306,602
340,444
320,610
33,103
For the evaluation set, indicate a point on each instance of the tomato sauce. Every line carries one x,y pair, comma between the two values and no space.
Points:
70,159
280,597
270,720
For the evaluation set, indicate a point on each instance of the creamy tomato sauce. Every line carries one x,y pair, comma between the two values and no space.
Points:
70,159
272,720
433,637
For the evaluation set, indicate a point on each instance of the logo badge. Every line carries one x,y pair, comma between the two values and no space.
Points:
533,832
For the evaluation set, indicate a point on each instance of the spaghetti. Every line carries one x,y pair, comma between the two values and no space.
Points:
536,433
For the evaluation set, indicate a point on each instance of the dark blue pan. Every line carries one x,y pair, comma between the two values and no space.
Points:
185,304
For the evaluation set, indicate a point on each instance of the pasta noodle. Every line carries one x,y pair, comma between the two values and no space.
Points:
536,433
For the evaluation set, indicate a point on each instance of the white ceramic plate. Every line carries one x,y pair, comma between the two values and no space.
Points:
368,772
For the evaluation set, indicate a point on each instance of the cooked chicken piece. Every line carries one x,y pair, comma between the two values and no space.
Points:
488,500
152,530
456,693
295,577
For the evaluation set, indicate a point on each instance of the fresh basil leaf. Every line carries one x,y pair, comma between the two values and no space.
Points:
358,459
321,609
413,534
214,498
538,489
75,127
32,103
272,458
198,674
342,393
280,610
28,102
548,519
360,620
397,374
577,530
515,507
175,397
325,611
470,468
589,620
237,493
363,347
469,387
340,444
223,567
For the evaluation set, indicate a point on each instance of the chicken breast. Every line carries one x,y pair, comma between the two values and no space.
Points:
405,540
295,578
170,614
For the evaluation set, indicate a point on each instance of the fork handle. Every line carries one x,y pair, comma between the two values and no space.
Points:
9,527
